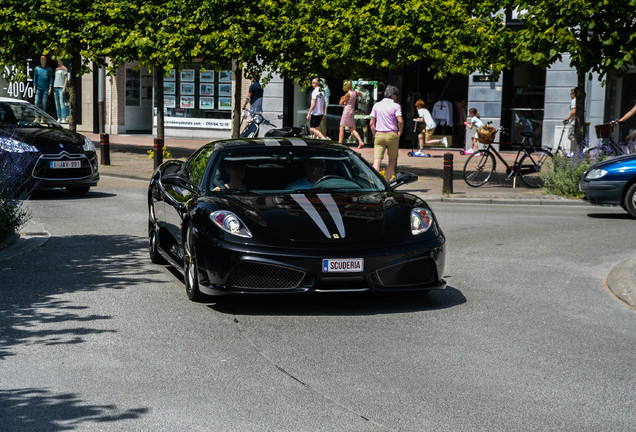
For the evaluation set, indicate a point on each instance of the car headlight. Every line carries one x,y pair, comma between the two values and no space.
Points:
230,223
595,173
13,145
88,145
421,220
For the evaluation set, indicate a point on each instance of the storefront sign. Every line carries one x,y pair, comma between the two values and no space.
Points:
17,90
187,122
483,78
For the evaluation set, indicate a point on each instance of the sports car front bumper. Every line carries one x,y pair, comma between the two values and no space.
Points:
230,268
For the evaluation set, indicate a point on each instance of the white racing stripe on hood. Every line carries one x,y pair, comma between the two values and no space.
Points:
297,142
303,201
334,212
271,142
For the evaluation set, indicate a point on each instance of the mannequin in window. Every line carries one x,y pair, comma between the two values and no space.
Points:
42,83
59,89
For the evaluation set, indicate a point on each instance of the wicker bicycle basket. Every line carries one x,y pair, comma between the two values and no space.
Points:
486,134
604,130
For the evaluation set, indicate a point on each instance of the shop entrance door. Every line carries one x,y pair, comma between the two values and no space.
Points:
138,101
522,104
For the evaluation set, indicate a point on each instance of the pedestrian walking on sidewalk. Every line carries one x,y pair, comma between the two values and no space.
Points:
316,113
254,97
473,122
429,127
570,120
348,113
386,125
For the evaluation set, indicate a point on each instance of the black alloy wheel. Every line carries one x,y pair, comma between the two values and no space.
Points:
190,267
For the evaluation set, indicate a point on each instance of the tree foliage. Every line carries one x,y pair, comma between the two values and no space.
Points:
363,37
598,35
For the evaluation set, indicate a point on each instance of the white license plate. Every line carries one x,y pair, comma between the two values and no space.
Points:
346,265
65,164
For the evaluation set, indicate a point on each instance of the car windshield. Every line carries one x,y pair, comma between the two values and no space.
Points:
290,169
18,114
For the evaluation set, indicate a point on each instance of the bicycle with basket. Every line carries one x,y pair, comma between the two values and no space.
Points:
528,165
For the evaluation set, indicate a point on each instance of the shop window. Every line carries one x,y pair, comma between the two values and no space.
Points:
197,93
522,105
133,87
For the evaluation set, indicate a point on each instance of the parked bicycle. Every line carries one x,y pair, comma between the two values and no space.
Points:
528,165
606,146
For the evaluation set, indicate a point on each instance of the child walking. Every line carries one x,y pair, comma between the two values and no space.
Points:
473,121
429,127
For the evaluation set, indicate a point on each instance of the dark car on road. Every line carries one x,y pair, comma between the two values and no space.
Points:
612,181
290,215
46,153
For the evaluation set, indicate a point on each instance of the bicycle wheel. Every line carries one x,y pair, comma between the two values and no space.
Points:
479,168
534,165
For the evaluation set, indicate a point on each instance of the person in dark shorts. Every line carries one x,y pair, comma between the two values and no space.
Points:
316,114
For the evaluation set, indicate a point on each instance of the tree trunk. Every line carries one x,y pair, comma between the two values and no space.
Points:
159,140
580,107
237,70
72,93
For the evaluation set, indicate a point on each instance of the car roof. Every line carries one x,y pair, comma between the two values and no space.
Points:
275,142
6,99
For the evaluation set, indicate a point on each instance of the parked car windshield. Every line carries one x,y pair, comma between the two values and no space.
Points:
17,114
292,169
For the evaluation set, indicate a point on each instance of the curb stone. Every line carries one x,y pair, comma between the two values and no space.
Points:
33,235
621,281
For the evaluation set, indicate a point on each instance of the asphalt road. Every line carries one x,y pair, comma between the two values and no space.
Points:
525,338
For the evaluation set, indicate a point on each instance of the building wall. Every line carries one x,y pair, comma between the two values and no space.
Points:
486,97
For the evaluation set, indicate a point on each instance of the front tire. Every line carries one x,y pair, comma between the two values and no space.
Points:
191,267
479,168
629,201
153,241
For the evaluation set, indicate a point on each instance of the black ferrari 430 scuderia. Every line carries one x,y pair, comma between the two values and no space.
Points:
290,215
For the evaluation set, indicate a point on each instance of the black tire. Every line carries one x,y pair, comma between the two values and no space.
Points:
479,168
77,190
153,241
534,167
629,201
191,267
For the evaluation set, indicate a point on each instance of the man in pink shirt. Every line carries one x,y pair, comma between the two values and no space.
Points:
386,125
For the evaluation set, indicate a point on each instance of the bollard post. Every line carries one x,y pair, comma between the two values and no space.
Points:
104,145
158,150
447,187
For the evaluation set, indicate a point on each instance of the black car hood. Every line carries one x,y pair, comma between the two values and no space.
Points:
48,140
318,217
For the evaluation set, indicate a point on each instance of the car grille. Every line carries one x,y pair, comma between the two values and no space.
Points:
417,272
254,276
43,170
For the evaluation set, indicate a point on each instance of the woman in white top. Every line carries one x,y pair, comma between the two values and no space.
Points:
59,88
429,127
473,121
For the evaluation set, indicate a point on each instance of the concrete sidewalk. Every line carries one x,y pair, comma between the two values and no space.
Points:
129,158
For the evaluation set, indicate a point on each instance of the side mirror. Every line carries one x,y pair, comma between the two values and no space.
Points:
178,181
402,178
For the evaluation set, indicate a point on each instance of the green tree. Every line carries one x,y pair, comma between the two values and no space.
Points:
346,38
598,35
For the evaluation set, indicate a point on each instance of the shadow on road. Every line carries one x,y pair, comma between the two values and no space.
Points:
34,311
62,194
619,215
338,304
32,409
